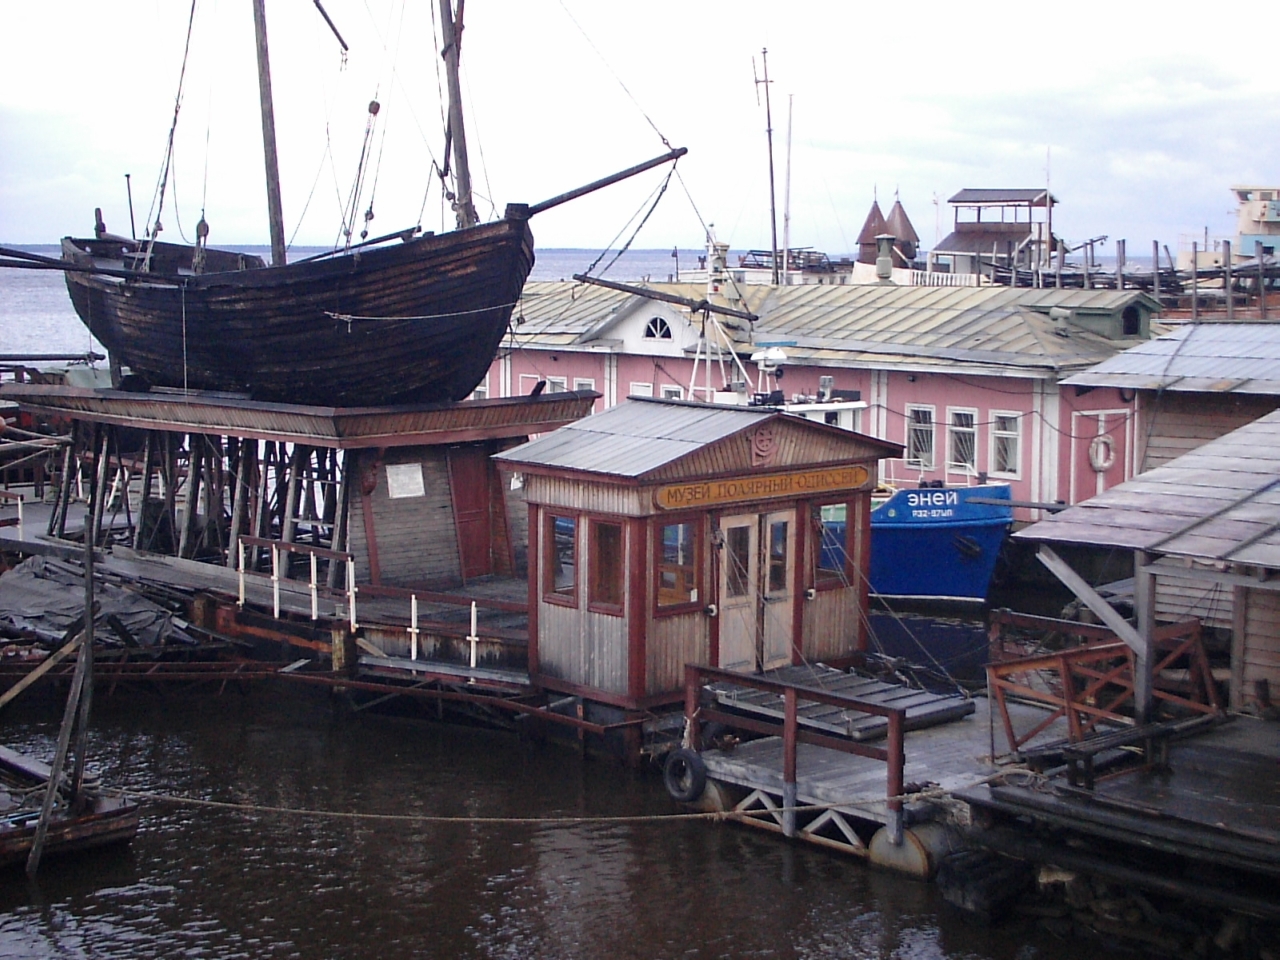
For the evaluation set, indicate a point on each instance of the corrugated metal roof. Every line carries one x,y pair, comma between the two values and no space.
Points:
635,437
989,195
1219,502
1199,358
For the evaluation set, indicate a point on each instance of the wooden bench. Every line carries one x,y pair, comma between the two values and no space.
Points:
1154,738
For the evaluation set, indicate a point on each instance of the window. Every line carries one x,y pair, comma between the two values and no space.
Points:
1132,321
737,557
962,441
641,389
831,522
920,437
778,556
560,579
678,551
672,393
482,391
527,382
1006,443
604,588
557,385
582,383
657,329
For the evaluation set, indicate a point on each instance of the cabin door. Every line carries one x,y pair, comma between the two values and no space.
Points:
469,485
757,565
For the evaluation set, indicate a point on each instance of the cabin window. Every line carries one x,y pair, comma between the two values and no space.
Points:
678,551
672,393
920,437
962,441
604,587
778,543
1006,443
832,524
657,329
560,580
737,560
641,389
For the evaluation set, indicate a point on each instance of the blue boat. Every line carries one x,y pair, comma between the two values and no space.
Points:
938,543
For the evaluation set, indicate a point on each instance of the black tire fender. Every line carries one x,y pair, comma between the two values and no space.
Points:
685,775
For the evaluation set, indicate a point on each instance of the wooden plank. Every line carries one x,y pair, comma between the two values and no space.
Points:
45,666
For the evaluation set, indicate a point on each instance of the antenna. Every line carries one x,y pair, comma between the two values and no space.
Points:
768,130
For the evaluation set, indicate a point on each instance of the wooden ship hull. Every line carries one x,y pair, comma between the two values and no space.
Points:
436,309
97,822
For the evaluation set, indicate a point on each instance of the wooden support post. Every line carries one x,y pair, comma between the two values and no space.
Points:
195,467
1090,598
1120,250
261,515
691,692
66,489
338,542
1227,282
148,465
789,790
240,498
170,477
896,749
1144,602
293,478
98,507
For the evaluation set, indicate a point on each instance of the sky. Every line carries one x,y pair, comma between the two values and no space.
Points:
1142,119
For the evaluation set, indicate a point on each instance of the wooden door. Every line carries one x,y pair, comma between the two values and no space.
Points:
469,483
739,592
777,594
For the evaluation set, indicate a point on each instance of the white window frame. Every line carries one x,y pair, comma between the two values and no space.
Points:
933,435
953,466
481,392
583,383
525,391
638,389
671,391
994,438
557,384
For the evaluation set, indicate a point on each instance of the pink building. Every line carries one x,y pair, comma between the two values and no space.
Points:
968,379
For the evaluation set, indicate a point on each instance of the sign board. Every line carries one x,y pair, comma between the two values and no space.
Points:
806,483
405,480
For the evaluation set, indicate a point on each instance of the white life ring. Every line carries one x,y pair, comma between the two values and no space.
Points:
1102,452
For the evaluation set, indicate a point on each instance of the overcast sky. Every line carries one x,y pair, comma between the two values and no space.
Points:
1150,115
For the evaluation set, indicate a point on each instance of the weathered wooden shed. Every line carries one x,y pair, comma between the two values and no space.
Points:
1209,522
666,532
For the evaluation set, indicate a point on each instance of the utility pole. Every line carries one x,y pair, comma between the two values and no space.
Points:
768,130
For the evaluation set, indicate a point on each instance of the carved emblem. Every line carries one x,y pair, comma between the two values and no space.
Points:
764,446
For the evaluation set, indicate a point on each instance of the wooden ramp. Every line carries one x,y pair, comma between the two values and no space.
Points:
923,708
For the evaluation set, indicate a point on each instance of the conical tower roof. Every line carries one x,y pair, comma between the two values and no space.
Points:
899,224
874,225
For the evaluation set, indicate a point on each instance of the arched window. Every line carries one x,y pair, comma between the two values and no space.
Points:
657,329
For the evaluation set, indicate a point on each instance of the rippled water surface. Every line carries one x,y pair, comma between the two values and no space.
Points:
218,883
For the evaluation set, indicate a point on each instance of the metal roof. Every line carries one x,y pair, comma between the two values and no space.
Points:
1197,358
635,437
981,196
873,226
899,224
1218,503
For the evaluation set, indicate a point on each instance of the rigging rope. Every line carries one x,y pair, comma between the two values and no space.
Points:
662,189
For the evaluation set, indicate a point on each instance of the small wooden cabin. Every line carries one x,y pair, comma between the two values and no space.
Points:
666,532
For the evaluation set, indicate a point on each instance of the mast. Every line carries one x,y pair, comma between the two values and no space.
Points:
786,201
768,130
452,35
274,212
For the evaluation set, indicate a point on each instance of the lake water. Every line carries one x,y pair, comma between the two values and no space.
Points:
214,883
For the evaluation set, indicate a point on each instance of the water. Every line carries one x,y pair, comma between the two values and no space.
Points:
36,315
214,883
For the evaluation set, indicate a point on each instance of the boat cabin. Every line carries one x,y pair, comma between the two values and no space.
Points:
666,532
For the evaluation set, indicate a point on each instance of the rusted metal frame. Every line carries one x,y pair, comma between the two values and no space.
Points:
1027,621
999,686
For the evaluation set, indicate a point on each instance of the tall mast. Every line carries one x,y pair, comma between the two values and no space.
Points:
274,212
452,35
786,200
768,129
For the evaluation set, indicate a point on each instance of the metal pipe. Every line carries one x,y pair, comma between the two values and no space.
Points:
595,185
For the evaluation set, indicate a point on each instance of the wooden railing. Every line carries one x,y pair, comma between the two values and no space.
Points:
13,521
1094,682
279,547
793,734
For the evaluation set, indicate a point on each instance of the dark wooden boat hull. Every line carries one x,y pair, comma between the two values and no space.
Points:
109,821
442,305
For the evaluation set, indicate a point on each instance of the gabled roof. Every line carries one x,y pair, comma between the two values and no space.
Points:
873,226
641,436
1220,502
972,196
1197,358
899,224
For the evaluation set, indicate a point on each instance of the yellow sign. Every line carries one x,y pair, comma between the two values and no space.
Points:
741,489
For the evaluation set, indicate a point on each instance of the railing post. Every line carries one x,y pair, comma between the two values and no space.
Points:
789,723
275,580
473,636
315,593
240,570
691,706
897,761
21,536
351,591
413,626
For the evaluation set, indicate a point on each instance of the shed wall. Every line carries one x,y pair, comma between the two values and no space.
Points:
1181,422
1182,599
1260,651
831,624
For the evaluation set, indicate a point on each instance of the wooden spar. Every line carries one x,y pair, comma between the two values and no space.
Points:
452,37
274,211
695,305
768,130
595,185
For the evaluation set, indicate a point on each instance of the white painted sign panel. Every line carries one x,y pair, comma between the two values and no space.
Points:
405,480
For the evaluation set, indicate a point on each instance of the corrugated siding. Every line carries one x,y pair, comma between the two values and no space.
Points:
585,496
1181,599
1183,422
1261,649
831,624
578,646
416,539
671,643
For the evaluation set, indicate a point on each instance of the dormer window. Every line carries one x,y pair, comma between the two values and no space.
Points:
657,329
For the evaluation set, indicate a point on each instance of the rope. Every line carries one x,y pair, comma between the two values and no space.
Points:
630,240
348,318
